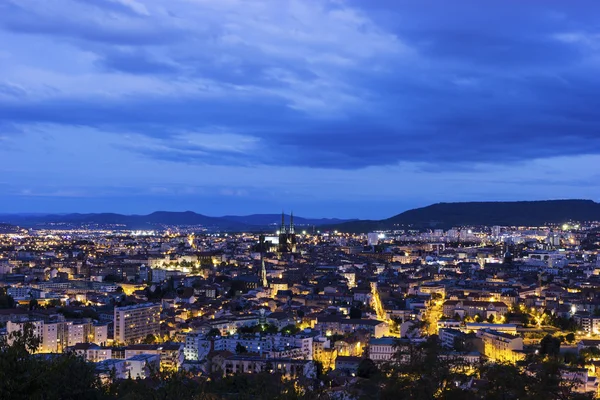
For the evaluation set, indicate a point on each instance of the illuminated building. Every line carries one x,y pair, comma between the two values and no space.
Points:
133,323
287,236
498,346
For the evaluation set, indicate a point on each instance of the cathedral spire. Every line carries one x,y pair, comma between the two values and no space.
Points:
292,222
282,229
263,269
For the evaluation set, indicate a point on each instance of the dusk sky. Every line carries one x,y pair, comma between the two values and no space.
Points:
338,108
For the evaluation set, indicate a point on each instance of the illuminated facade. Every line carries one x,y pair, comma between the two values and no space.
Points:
498,346
287,236
134,323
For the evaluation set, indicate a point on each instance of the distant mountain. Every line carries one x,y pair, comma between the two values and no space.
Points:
448,215
159,220
437,216
7,228
275,220
156,220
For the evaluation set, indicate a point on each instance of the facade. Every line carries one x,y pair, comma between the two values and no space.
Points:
347,364
341,326
498,346
589,323
382,350
171,355
472,308
196,347
142,366
287,236
133,323
234,364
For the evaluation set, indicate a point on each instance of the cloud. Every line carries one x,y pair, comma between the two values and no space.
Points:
256,87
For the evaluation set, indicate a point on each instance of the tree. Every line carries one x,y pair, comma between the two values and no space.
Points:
419,372
550,346
490,319
240,349
290,329
27,376
504,381
6,300
33,304
366,369
590,353
570,337
355,313
214,332
54,303
150,339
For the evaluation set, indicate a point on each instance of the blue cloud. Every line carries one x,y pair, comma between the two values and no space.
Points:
313,84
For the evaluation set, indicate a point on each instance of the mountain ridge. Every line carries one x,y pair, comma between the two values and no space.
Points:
446,215
443,215
160,219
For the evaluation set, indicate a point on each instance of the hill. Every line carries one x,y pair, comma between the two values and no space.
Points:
158,220
6,228
275,220
448,215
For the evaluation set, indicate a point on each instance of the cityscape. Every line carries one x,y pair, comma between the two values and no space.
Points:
323,309
299,200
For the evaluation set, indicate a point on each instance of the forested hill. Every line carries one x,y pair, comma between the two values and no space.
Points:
517,213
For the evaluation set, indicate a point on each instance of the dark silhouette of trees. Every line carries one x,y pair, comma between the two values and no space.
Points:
355,313
240,349
6,300
550,346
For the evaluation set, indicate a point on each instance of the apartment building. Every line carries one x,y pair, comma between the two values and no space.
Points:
499,346
133,323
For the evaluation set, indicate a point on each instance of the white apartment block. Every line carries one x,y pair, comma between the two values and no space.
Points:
133,323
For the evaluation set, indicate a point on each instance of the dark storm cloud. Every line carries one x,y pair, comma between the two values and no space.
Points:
490,84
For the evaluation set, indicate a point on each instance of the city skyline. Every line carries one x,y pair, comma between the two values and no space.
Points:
343,109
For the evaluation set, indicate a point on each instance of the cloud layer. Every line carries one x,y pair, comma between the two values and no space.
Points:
326,105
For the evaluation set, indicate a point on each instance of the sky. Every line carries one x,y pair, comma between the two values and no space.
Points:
329,108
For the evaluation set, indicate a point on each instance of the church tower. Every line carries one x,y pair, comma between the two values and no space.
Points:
287,236
282,229
263,269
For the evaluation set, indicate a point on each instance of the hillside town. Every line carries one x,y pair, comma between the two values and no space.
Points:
305,303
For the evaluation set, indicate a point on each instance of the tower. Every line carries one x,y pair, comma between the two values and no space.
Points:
263,270
287,236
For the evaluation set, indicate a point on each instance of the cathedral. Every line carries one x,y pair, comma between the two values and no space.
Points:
287,236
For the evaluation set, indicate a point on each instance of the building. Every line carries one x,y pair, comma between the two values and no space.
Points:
239,363
382,350
142,366
287,236
53,335
373,238
498,346
111,369
335,325
347,364
171,354
467,308
589,323
196,347
133,323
